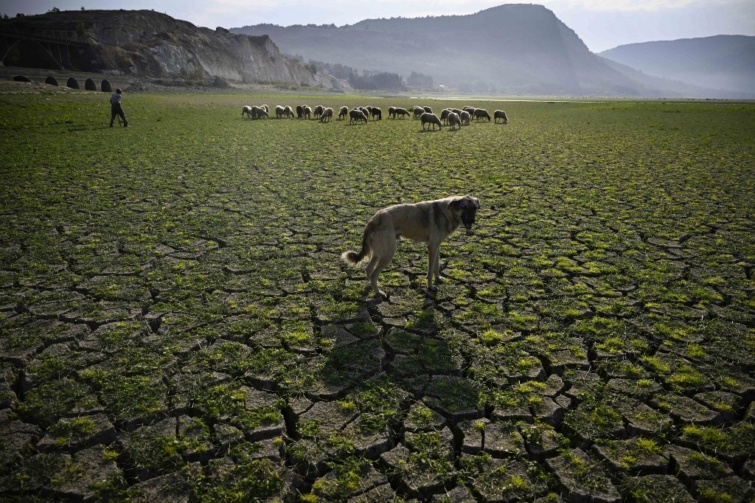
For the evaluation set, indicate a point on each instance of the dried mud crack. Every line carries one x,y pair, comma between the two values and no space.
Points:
180,328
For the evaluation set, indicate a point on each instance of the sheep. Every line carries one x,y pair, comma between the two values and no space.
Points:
357,115
377,114
481,113
288,112
444,115
279,111
432,119
258,112
318,111
454,120
500,114
326,115
307,112
418,111
403,112
428,110
464,118
299,111
343,112
392,112
246,110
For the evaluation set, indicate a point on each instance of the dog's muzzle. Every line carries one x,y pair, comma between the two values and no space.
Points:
467,218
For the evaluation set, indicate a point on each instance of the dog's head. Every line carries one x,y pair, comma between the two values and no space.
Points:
466,207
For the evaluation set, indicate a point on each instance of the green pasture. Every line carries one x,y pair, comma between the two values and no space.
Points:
187,269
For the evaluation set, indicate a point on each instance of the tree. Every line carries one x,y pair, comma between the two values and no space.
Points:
420,80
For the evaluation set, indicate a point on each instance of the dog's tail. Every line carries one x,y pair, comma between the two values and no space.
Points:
352,257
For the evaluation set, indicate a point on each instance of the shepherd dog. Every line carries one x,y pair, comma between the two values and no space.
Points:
428,222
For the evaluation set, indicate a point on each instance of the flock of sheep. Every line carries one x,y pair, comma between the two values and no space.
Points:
453,117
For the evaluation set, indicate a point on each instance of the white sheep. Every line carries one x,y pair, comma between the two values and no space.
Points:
481,113
432,119
258,113
279,111
326,115
246,110
357,115
343,112
403,112
500,114
288,112
306,112
454,120
464,118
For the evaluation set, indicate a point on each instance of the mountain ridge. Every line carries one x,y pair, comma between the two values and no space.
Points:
721,61
144,43
518,49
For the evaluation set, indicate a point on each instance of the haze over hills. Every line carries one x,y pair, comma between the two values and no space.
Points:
509,49
512,49
724,62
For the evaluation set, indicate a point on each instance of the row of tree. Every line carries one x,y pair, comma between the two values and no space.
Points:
370,79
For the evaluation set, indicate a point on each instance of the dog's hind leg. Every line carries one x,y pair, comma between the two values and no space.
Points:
380,264
382,253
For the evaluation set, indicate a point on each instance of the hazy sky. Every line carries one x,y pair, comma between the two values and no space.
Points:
601,24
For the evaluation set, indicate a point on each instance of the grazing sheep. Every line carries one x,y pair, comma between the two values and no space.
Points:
258,112
403,112
326,115
464,118
500,114
392,112
288,112
246,110
418,111
357,115
481,113
299,111
432,119
456,111
343,112
444,115
307,112
454,120
279,111
377,114
318,111
428,110
265,108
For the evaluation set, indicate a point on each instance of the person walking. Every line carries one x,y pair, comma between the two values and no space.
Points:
115,108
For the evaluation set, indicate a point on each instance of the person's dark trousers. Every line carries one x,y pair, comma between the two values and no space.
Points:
116,110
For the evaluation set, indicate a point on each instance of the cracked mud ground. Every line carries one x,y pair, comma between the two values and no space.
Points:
177,324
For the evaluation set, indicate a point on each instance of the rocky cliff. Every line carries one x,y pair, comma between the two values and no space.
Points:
149,44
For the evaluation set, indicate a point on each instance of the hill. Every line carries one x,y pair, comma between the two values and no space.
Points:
724,62
145,43
509,49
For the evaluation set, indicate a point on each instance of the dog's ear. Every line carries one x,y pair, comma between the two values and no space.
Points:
455,203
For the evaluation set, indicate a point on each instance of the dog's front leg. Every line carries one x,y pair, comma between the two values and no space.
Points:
433,267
